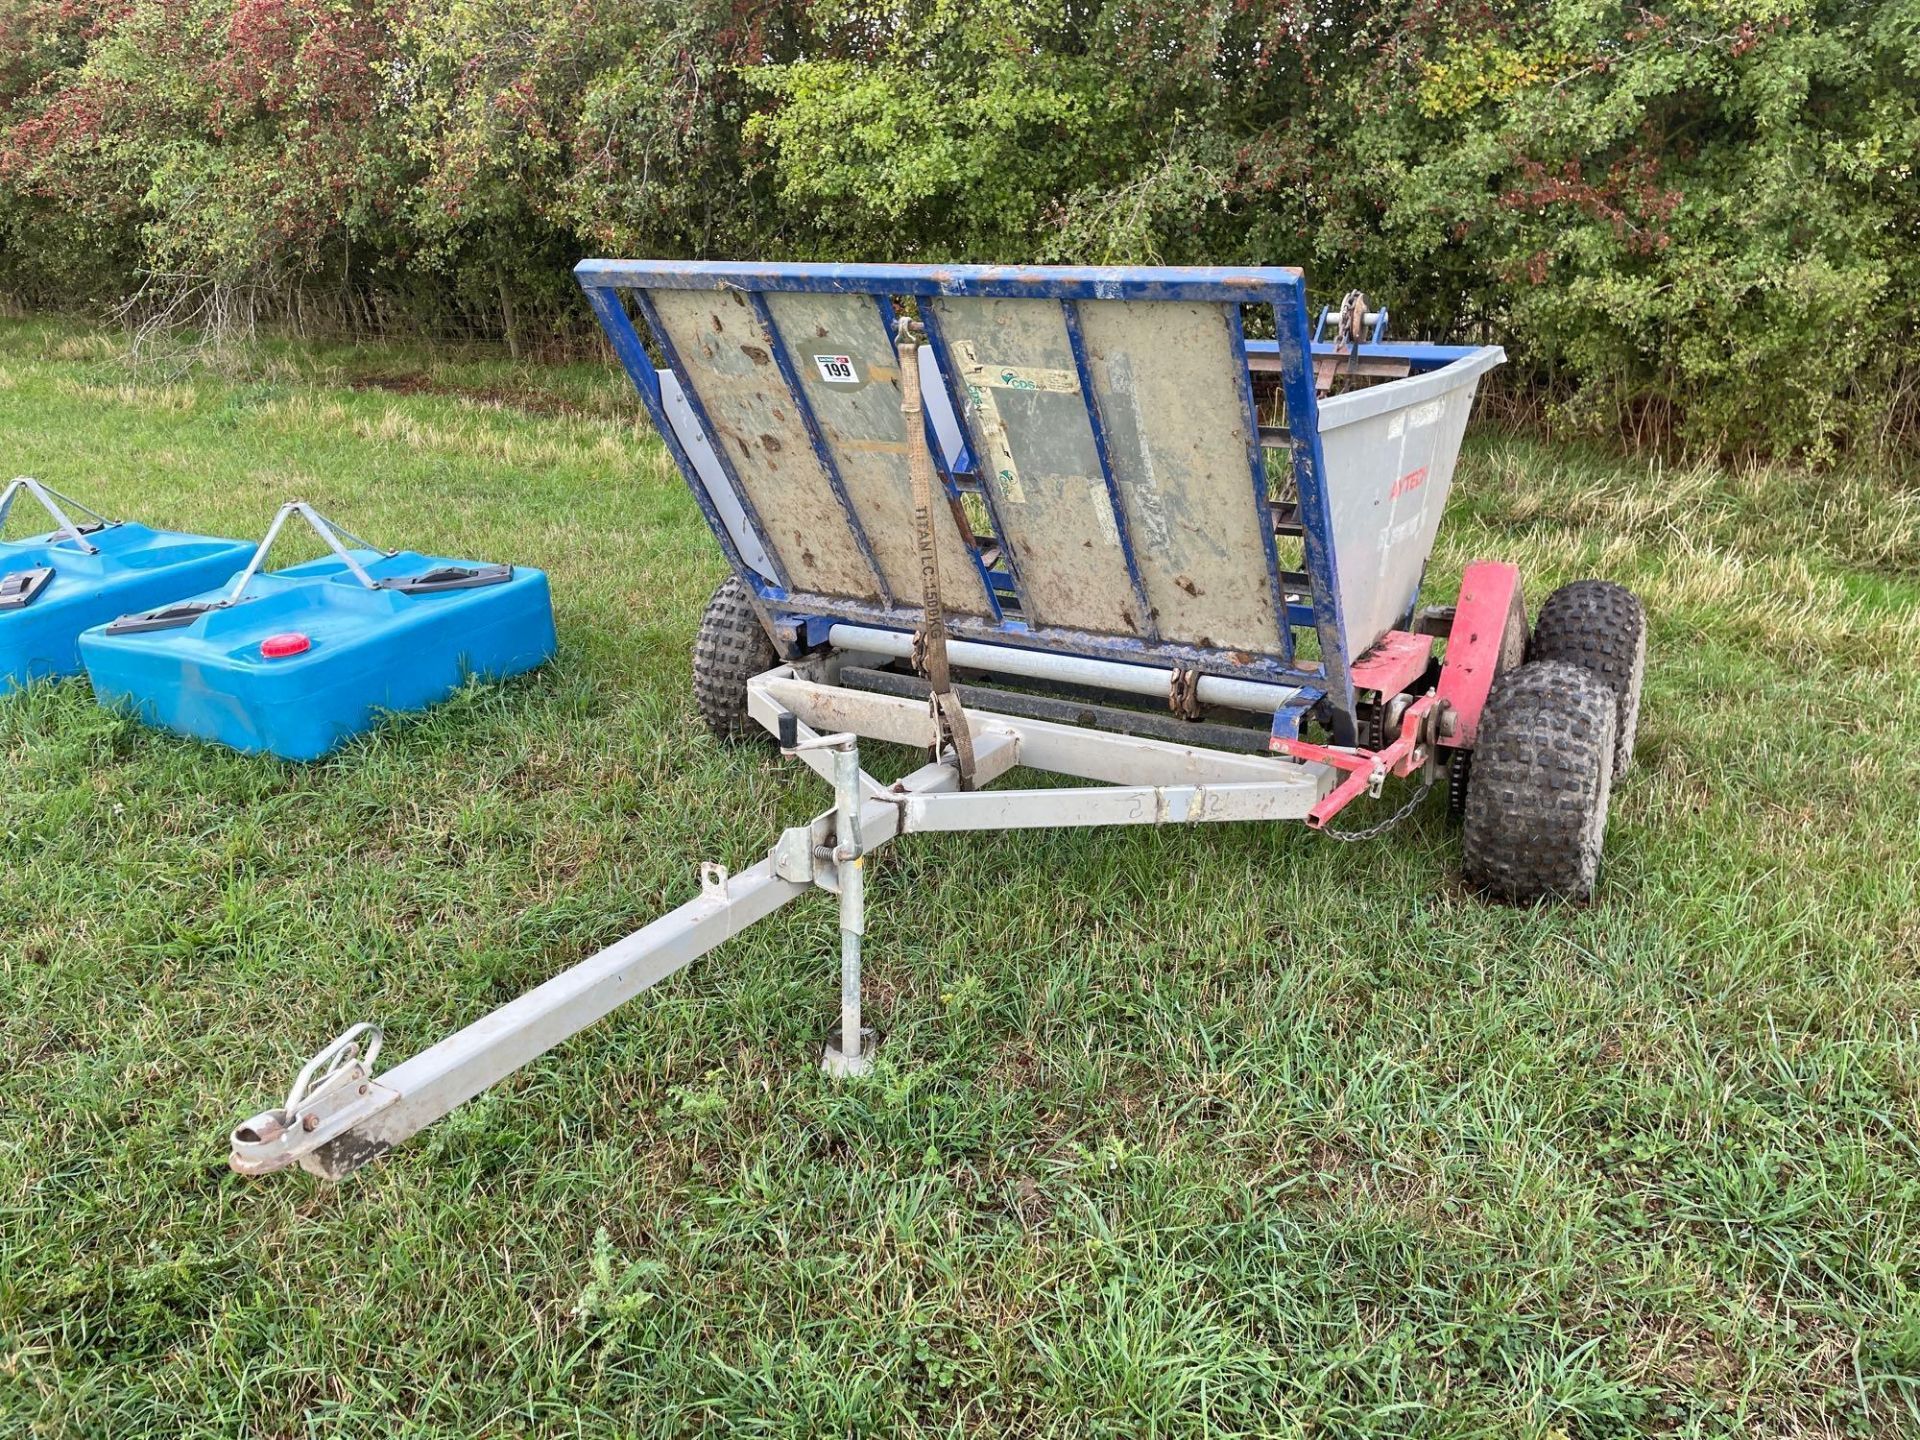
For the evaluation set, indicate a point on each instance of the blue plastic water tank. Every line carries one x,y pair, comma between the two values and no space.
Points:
336,654
51,589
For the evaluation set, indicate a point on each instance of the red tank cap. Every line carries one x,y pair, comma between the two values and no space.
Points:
279,647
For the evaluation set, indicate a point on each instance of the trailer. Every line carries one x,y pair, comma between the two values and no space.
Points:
1148,528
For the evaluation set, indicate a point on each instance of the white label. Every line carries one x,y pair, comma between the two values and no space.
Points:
837,369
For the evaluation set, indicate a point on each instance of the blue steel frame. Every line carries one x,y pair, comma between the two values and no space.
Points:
1420,357
1380,318
1257,462
1281,289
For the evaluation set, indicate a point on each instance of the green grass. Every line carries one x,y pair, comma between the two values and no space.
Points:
1211,1132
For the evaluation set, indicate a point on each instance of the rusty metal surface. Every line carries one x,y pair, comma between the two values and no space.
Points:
859,420
1024,407
727,354
1169,383
1394,664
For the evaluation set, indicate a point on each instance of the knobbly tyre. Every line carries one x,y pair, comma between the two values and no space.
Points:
1058,520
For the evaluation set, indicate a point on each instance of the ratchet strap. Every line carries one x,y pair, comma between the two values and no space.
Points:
930,644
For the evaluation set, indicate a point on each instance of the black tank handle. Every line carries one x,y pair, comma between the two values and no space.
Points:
447,577
22,587
167,617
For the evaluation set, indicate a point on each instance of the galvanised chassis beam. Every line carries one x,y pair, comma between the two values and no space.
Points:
342,1114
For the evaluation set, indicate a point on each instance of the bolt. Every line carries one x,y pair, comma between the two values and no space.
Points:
309,1123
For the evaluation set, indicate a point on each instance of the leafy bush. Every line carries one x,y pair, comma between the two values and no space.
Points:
1696,219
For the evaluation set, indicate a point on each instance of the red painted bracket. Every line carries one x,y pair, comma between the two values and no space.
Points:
1397,660
1365,768
1489,635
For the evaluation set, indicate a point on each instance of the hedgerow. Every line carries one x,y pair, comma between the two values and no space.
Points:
1695,221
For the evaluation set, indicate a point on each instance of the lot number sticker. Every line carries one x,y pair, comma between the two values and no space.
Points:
837,369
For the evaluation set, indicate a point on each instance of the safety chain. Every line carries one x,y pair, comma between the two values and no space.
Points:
1348,837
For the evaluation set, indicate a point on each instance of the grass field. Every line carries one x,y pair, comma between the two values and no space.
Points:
1229,1131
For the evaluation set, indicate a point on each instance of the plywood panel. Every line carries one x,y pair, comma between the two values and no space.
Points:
850,375
1171,396
726,357
1038,457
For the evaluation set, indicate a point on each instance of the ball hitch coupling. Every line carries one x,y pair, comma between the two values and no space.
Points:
329,1095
